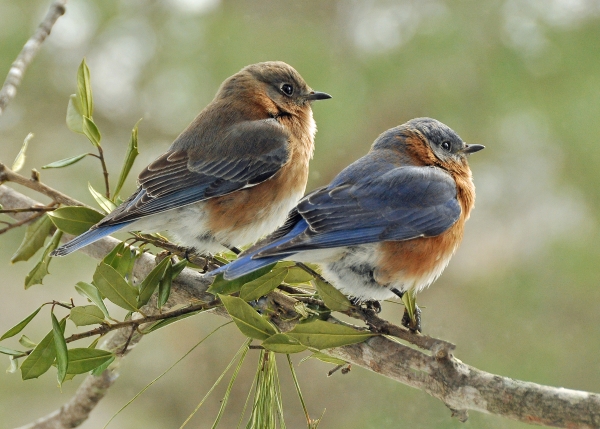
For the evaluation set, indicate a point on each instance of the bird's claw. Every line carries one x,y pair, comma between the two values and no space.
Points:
413,325
369,305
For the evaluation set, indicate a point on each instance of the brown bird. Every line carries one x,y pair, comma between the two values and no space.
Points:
233,174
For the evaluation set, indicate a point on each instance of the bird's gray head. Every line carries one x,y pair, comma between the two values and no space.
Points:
430,142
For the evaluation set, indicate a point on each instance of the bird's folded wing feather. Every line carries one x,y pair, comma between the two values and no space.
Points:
250,152
400,204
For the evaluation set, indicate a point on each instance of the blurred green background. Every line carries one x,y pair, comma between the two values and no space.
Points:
520,298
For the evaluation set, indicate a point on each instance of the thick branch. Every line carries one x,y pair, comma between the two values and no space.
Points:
437,372
30,49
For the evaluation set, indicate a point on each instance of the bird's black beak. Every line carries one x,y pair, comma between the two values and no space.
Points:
472,148
316,95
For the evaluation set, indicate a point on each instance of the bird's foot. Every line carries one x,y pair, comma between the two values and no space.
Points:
414,324
369,305
410,321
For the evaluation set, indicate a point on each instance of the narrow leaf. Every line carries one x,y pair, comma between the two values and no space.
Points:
74,115
263,285
104,203
82,360
20,159
323,335
35,236
151,281
21,325
10,352
92,293
122,259
177,268
84,89
91,131
36,276
164,286
114,287
41,358
130,155
75,220
62,358
325,358
86,315
227,287
281,343
248,321
333,298
65,162
410,304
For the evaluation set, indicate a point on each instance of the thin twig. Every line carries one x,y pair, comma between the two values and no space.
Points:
30,49
20,223
30,209
104,170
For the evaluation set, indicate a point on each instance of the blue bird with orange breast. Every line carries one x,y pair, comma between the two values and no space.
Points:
233,175
387,224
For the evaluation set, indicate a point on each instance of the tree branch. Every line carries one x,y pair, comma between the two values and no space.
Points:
436,371
30,49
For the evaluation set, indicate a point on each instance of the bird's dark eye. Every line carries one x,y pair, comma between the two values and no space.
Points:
287,89
447,146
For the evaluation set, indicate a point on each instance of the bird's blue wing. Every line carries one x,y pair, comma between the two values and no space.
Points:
253,151
398,204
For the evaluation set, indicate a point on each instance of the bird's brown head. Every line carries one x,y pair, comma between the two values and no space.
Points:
427,141
275,85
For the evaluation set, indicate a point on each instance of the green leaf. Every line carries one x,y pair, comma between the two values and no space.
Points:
10,352
166,322
104,203
65,162
164,286
121,258
263,285
177,268
26,342
84,89
151,281
36,276
20,159
325,358
21,325
132,153
86,315
62,358
41,358
92,293
100,369
74,115
82,360
282,343
323,335
333,298
297,275
227,287
91,131
75,220
248,321
35,236
114,287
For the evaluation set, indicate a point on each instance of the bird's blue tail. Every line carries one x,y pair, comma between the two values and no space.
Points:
87,238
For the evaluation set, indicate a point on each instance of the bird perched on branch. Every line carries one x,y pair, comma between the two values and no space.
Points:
387,224
233,174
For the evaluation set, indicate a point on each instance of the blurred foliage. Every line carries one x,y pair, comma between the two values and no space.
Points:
520,298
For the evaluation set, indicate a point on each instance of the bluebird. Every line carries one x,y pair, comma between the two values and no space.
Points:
233,174
387,224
